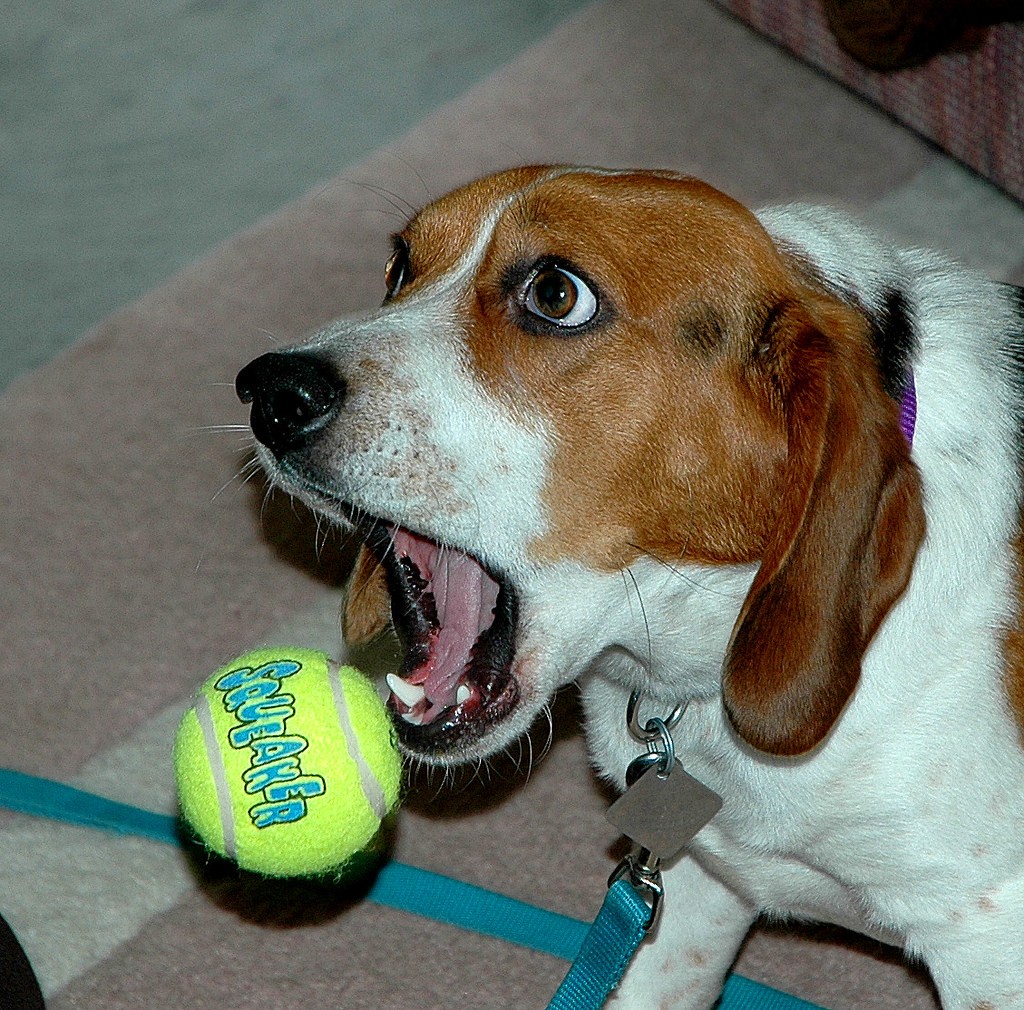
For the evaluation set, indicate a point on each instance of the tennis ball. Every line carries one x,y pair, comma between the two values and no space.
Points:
287,763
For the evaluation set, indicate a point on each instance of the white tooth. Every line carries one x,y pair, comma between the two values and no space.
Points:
408,694
413,718
463,694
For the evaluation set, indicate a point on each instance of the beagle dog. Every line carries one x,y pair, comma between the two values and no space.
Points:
611,427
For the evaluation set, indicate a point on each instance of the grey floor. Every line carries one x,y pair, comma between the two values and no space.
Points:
135,136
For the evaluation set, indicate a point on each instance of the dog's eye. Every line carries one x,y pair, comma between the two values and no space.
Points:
397,271
560,297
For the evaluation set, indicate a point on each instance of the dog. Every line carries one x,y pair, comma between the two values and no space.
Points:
612,427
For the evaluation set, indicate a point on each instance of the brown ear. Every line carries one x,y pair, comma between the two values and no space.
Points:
841,551
367,609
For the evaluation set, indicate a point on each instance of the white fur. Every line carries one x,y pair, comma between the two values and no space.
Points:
422,444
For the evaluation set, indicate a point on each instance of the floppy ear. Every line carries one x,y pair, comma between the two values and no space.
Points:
367,608
841,551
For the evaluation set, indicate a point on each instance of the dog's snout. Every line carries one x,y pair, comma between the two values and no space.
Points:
293,396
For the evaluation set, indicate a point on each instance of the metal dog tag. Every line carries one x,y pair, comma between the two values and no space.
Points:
662,813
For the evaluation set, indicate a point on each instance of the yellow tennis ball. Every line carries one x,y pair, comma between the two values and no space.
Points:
287,763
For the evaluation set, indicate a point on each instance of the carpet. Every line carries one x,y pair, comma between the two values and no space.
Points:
135,560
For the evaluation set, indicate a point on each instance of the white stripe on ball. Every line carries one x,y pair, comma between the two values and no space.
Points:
372,789
204,713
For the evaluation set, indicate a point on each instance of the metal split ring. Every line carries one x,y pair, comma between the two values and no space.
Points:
656,733
654,728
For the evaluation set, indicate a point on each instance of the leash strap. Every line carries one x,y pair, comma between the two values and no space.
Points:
607,949
600,950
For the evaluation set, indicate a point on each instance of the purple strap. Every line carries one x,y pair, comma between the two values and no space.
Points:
908,410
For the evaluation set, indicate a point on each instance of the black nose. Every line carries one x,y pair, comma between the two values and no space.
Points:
293,396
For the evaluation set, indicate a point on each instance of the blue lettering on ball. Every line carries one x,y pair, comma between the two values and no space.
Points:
266,708
305,788
258,779
277,670
266,815
253,695
249,691
265,751
242,736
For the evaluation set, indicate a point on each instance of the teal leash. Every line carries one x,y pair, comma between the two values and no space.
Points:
610,944
607,949
599,951
397,885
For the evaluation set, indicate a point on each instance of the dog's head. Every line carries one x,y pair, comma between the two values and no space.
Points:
575,374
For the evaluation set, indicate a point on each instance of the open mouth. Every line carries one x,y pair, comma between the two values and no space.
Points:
456,621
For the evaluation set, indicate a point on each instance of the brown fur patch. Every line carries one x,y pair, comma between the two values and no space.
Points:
849,524
441,234
658,395
719,409
367,609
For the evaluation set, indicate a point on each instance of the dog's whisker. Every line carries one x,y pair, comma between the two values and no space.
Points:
678,572
249,470
643,614
401,207
549,739
430,773
407,164
517,760
483,766
629,596
318,534
226,485
218,428
268,494
394,215
398,202
241,476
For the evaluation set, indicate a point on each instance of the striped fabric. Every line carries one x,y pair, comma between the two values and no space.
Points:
970,103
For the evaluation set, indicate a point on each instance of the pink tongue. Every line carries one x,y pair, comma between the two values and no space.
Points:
464,598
